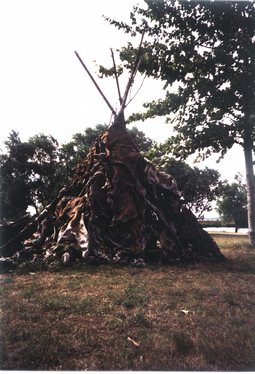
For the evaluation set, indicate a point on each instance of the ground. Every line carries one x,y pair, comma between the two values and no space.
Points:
192,317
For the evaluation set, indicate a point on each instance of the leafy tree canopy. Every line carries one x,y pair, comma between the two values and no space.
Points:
14,192
44,179
28,174
208,49
232,205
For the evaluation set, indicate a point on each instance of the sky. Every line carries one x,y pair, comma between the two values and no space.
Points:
43,87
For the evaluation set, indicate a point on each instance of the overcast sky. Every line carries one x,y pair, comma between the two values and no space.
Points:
43,87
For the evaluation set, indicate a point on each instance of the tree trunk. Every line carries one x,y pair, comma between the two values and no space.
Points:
248,147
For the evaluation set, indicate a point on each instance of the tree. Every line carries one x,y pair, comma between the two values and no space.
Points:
44,179
208,48
143,143
198,187
232,206
28,174
15,171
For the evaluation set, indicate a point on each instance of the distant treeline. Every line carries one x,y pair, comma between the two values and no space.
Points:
218,223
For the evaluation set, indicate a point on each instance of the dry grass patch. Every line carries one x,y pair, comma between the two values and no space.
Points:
192,317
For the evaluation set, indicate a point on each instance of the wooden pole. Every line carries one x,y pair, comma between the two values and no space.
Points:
116,77
95,83
132,74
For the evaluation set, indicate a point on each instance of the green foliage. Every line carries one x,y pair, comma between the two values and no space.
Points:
45,180
143,143
207,48
198,187
232,206
28,174
104,72
14,173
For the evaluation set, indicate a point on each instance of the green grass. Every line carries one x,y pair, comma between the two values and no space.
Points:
192,317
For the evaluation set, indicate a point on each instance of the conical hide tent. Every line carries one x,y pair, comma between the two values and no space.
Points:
119,209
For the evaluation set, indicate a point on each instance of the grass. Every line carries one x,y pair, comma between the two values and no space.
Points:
192,317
